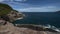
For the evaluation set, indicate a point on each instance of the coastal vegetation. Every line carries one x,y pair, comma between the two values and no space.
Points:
4,9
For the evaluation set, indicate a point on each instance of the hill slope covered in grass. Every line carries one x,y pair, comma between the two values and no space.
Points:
4,9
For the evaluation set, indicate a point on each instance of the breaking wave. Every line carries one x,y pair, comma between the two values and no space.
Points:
52,27
43,26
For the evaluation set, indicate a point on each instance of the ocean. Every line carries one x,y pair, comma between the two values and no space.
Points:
40,18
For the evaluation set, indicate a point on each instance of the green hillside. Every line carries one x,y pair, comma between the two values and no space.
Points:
4,9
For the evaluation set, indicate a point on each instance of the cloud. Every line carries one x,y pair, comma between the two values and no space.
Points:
13,0
2,0
20,0
40,9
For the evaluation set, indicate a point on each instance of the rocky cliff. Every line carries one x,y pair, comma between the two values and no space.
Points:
8,15
9,28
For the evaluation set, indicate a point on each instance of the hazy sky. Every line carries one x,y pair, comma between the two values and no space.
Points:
34,5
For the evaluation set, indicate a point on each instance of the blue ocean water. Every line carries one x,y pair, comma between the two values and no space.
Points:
43,18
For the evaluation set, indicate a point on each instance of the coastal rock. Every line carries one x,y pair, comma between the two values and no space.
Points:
9,28
6,26
9,14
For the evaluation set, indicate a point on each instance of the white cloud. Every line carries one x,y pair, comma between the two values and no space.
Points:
40,9
2,0
13,0
21,0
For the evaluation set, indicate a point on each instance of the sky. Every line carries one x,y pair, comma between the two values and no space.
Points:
34,5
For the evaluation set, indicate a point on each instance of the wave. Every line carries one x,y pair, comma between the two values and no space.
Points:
47,27
52,27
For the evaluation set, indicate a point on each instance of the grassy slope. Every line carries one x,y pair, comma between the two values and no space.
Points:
4,9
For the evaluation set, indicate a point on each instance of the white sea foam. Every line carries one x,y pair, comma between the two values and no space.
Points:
46,26
52,27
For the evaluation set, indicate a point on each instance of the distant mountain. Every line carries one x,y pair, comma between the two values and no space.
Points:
58,11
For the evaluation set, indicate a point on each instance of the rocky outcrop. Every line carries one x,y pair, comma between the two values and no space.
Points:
9,15
9,28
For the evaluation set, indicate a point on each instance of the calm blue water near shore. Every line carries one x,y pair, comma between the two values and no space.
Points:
44,18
